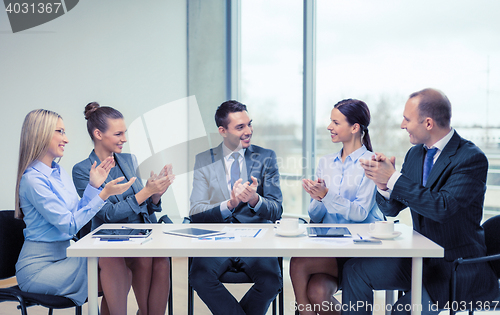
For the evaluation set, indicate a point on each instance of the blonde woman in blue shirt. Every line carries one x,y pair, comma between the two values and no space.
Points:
341,193
47,201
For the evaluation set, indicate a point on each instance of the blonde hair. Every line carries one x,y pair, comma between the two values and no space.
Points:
37,132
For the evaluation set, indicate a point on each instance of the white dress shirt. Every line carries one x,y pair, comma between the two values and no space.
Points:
439,145
228,161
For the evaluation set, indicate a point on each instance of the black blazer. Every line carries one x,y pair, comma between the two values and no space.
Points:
448,210
210,187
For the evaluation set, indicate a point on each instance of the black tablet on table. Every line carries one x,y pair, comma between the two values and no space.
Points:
328,231
122,233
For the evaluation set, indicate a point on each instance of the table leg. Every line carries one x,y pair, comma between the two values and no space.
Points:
389,300
416,285
92,278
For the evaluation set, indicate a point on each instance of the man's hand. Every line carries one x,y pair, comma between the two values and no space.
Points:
247,192
379,169
234,201
315,188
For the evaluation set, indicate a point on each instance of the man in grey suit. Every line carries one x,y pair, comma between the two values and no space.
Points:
236,182
442,181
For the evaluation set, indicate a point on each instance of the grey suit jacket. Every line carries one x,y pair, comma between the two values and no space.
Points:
210,187
118,208
448,210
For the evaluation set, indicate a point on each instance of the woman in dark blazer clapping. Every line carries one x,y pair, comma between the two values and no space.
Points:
150,276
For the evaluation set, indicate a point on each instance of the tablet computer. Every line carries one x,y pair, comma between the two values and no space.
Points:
194,232
122,233
328,231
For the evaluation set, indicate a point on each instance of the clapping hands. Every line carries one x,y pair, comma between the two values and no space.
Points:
113,188
244,193
379,169
157,185
99,174
315,188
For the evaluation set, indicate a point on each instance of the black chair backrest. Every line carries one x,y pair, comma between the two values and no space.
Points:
11,242
492,237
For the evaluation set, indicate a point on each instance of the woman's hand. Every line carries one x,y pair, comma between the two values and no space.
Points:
113,188
157,185
166,170
98,174
315,188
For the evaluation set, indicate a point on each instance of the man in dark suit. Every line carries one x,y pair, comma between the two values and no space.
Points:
442,181
236,182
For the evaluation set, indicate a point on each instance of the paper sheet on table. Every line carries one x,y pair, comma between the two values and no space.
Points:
228,237
245,232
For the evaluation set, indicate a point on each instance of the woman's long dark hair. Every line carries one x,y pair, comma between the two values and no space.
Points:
357,112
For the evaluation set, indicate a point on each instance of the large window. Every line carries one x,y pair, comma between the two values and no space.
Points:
271,76
379,52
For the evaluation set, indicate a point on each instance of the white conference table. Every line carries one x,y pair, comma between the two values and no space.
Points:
409,244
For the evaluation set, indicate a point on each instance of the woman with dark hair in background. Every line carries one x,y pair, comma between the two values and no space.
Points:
150,276
341,193
47,201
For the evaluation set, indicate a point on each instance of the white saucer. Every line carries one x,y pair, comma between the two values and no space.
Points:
297,232
385,236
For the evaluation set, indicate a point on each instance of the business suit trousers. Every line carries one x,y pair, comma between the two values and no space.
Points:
363,275
264,272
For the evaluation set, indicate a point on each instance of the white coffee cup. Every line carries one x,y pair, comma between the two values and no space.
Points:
382,227
287,225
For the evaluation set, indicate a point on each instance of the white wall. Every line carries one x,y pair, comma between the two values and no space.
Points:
127,54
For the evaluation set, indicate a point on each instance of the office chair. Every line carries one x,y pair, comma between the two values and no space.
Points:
492,239
11,242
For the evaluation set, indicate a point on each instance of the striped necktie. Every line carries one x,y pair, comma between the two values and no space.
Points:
428,163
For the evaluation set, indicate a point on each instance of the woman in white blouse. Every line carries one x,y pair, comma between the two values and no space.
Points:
341,193
47,201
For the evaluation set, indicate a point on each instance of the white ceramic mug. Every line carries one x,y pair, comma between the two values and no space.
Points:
287,225
382,227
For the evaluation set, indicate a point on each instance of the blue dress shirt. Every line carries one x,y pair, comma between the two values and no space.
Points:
351,195
51,207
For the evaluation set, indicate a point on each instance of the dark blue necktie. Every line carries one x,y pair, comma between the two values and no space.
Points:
235,169
428,163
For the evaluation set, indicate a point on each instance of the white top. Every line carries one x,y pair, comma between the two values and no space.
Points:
395,176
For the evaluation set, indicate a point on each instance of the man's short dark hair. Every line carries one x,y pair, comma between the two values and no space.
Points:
434,104
224,109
